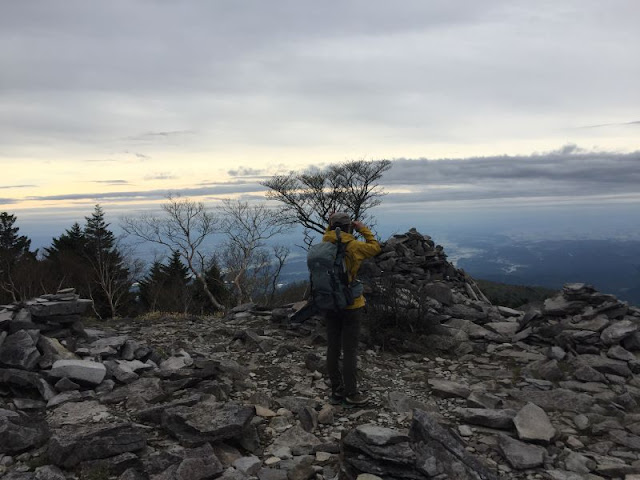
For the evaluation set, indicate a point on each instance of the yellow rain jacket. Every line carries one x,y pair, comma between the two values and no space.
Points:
355,253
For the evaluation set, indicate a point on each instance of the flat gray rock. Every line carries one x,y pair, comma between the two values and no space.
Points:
617,331
559,306
248,465
448,389
78,413
70,396
564,475
480,399
595,324
606,365
82,370
53,347
294,437
520,455
506,329
532,424
438,450
376,435
51,308
206,422
576,462
487,417
19,350
49,472
402,403
73,444
19,432
618,352
558,399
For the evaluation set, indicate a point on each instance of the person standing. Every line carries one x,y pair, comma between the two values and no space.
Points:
343,326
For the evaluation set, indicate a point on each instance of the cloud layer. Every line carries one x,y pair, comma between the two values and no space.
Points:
562,174
368,77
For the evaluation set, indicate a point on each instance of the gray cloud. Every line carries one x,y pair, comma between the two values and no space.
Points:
7,201
636,122
246,172
16,186
162,134
560,174
160,176
112,182
219,189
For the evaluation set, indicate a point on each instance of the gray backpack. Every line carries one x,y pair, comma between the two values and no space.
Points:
330,287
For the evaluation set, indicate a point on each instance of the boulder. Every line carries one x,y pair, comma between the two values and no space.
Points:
380,436
19,350
606,365
439,452
49,472
45,308
52,347
19,432
206,422
81,370
72,444
521,455
295,437
487,417
532,424
448,389
617,331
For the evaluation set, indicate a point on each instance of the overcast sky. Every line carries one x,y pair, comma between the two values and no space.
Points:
118,102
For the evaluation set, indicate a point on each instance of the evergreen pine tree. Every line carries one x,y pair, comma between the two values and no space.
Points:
216,285
66,262
10,242
17,262
152,287
177,297
109,281
72,240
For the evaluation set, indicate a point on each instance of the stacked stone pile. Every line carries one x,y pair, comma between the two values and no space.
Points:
413,264
583,320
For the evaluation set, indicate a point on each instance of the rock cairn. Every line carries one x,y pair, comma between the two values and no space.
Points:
412,279
414,265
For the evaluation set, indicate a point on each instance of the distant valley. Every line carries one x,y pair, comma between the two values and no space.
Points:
612,266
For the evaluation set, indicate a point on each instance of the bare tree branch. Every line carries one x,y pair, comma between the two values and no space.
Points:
248,228
311,196
183,228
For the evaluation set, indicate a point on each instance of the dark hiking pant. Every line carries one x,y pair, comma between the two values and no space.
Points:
343,330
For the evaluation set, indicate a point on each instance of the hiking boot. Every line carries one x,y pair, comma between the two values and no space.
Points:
356,399
337,396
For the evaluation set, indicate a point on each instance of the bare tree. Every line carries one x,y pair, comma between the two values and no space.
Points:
311,196
247,229
183,228
113,274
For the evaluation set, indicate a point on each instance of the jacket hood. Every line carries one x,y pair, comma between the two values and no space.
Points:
330,236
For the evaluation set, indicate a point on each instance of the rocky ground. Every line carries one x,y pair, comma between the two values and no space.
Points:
244,396
489,393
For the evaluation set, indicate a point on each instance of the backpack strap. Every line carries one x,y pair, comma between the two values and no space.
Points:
341,265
